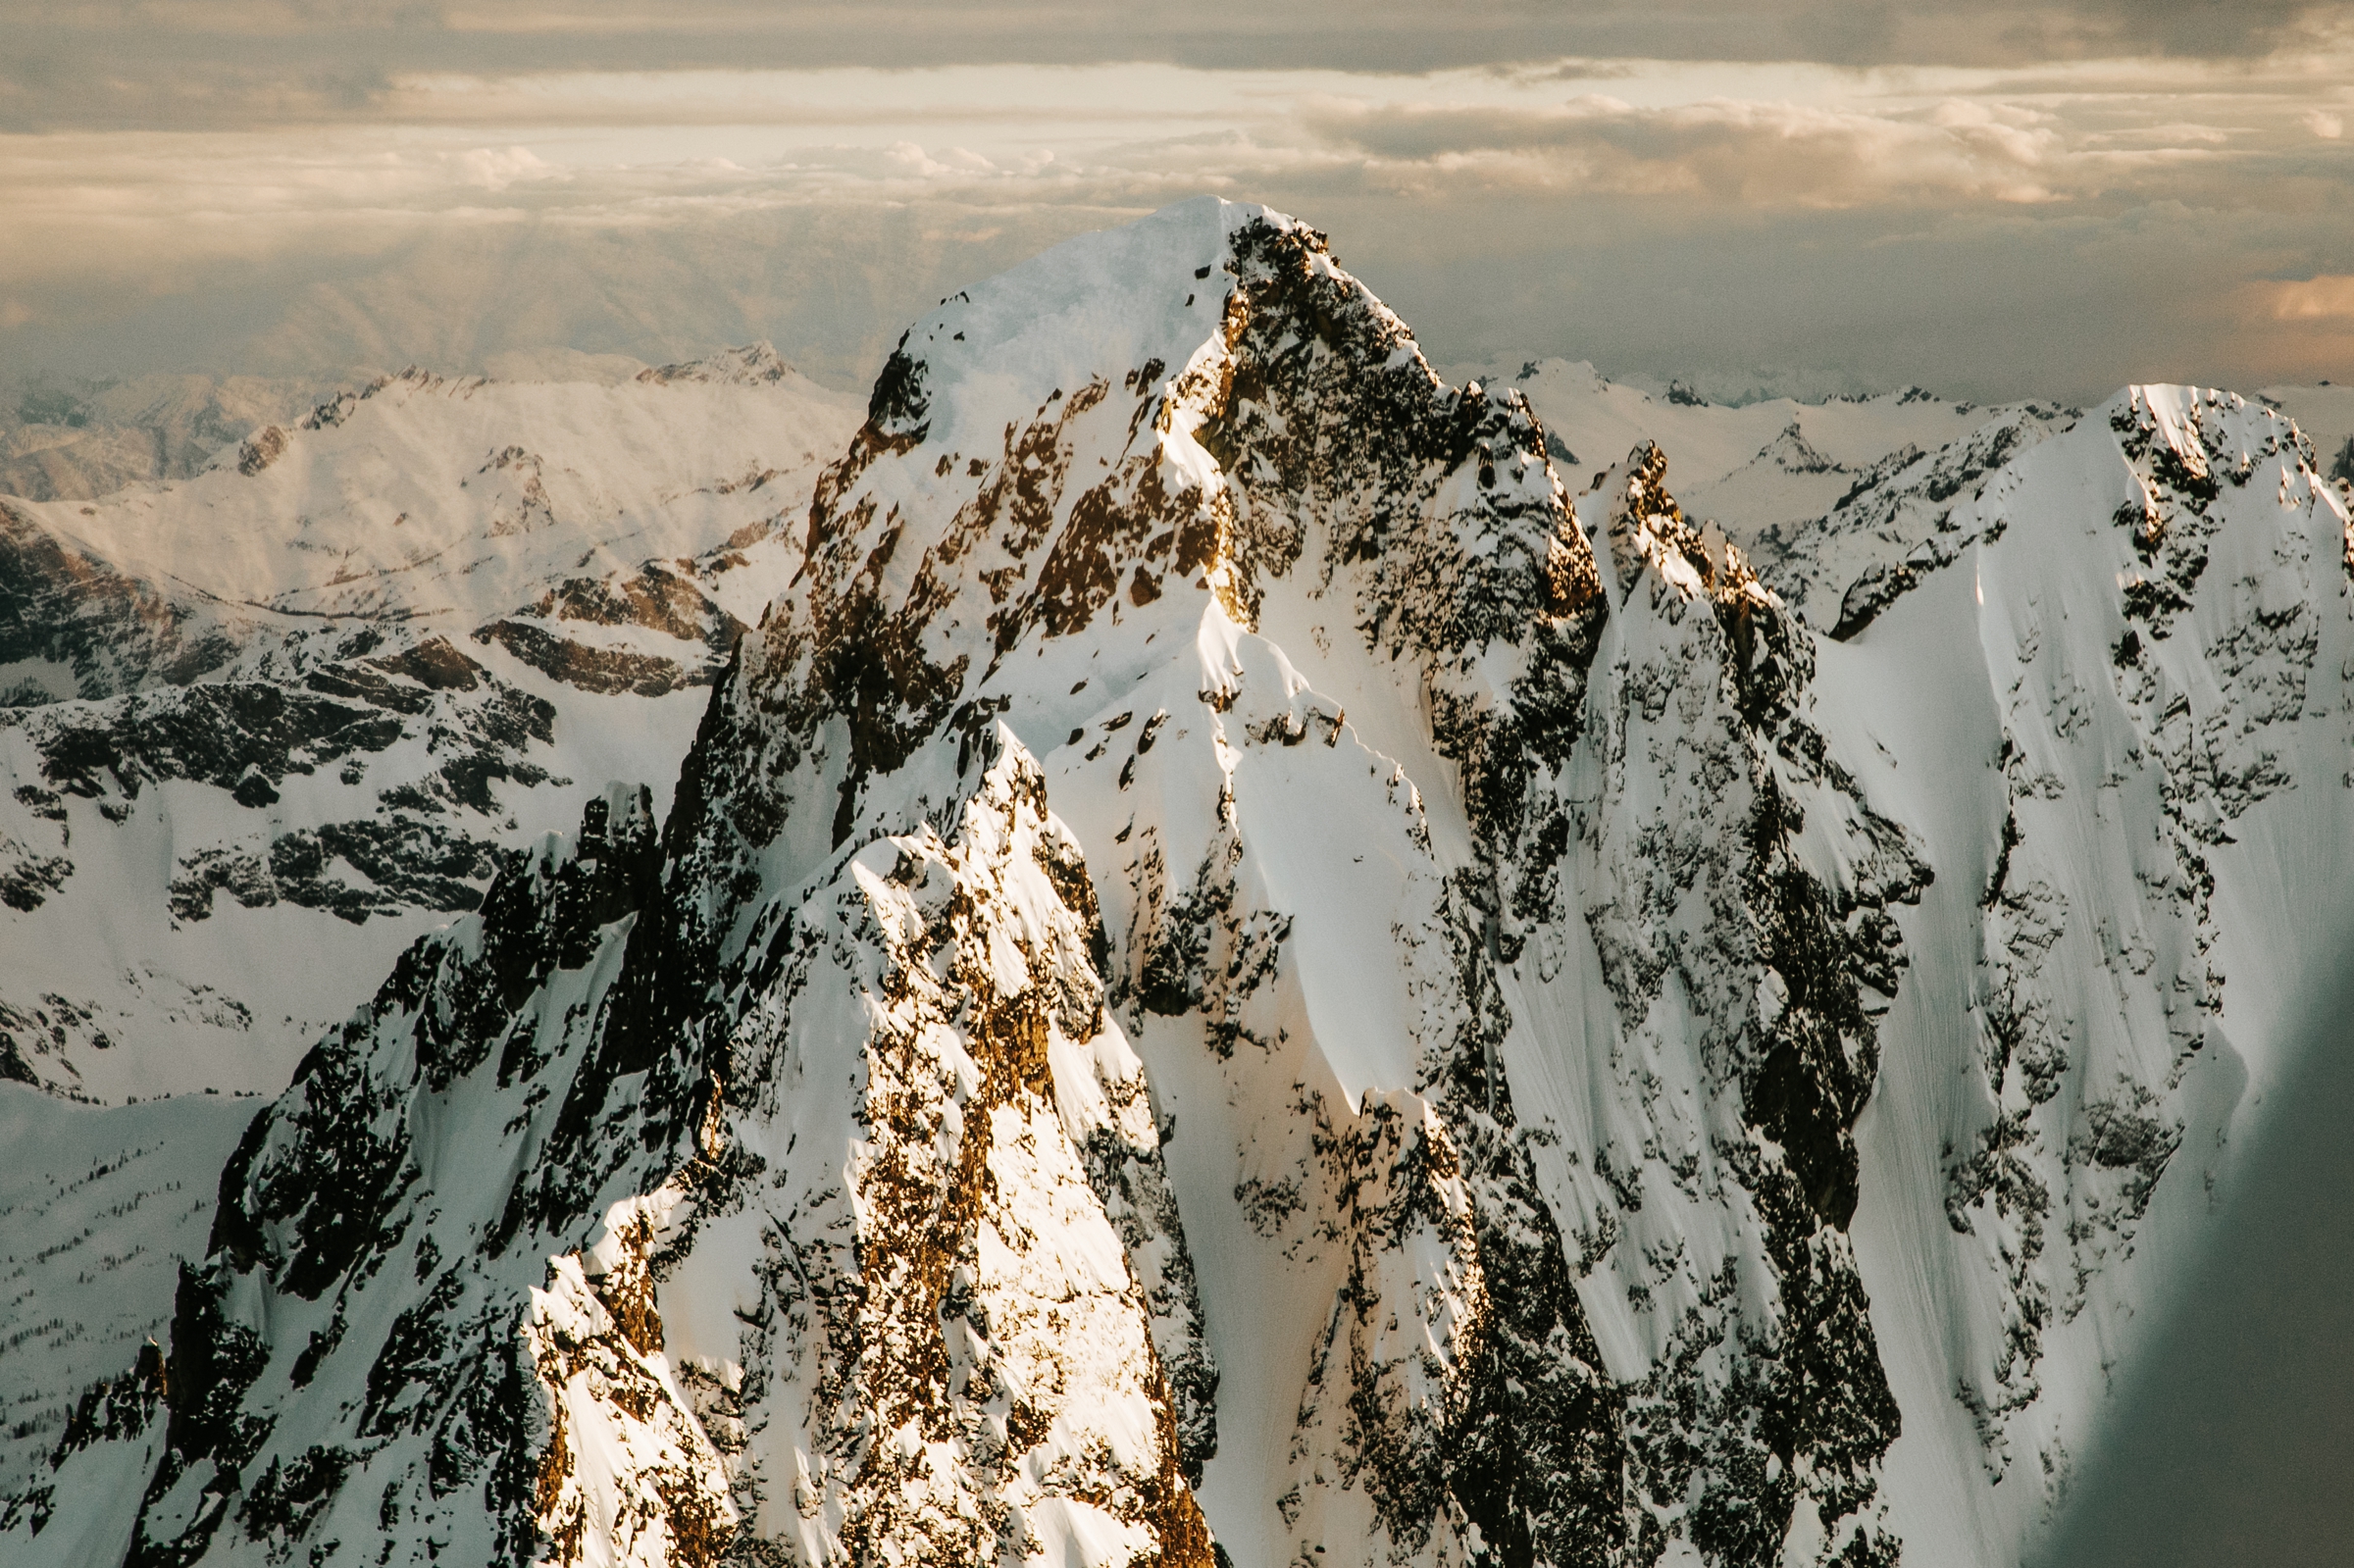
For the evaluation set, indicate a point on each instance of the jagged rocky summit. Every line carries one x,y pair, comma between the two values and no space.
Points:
1241,971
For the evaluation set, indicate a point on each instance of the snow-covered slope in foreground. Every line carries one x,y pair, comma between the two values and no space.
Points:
297,706
98,1206
1234,976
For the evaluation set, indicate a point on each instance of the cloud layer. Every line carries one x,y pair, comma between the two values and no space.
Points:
231,63
2014,215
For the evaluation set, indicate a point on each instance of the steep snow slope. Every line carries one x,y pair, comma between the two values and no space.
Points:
2121,720
299,703
97,1209
1234,973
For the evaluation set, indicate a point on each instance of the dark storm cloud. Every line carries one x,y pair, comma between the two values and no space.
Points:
238,62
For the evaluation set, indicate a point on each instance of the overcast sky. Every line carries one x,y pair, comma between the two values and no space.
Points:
1991,200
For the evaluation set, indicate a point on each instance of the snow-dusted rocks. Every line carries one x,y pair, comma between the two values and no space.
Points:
2134,784
1903,517
302,702
1770,472
1732,895
359,1315
1237,973
975,1321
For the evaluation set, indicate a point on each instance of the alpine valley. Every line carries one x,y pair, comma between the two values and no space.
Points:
1362,985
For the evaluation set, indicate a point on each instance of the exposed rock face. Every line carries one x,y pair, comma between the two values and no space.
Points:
981,1327
1233,977
68,614
365,1206
1748,961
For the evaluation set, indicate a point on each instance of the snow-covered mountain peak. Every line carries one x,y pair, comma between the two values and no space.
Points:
1648,532
752,365
1916,512
1302,441
305,699
2208,435
364,512
1212,990
1136,304
1760,469
1791,452
1318,674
